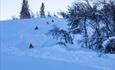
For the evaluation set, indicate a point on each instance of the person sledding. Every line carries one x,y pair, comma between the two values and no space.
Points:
31,45
36,28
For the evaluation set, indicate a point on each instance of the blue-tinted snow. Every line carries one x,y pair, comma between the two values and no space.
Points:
16,35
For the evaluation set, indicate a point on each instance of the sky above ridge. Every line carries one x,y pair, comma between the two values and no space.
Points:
9,8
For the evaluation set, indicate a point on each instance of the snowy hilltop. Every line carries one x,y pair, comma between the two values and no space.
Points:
29,44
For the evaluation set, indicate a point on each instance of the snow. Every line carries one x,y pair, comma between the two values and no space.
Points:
27,63
16,35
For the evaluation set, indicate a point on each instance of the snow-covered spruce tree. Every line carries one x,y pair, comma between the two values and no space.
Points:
94,16
25,10
108,16
104,16
61,34
83,15
77,18
42,12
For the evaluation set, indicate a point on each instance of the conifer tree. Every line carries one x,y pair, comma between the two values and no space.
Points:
25,10
42,12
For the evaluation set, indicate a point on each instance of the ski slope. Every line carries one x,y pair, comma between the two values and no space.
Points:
15,54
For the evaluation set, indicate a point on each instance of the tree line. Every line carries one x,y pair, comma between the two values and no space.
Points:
26,13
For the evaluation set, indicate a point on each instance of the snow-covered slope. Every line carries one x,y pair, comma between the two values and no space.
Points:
16,35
